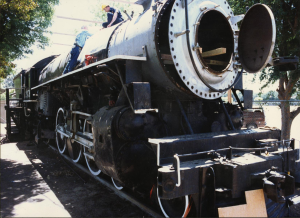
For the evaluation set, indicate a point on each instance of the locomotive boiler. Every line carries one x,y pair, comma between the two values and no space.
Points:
144,107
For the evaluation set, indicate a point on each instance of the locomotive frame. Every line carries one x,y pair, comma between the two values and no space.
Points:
153,119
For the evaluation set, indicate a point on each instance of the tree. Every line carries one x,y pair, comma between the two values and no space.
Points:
271,95
8,82
287,17
22,23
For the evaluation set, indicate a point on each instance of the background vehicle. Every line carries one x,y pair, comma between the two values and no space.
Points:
253,118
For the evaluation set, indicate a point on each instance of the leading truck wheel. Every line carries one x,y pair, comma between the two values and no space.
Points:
177,207
60,138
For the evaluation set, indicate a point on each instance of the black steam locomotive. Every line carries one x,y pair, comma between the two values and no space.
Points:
144,107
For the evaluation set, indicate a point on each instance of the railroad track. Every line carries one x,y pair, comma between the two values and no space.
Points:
125,194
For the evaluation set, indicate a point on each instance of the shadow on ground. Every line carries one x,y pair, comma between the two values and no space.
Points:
80,195
18,187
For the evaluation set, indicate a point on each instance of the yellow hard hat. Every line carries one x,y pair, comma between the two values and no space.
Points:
104,6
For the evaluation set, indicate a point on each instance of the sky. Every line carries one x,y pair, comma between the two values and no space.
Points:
83,10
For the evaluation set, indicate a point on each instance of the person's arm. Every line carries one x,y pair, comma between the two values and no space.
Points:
114,18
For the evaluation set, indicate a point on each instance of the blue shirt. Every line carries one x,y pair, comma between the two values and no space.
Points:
112,10
82,37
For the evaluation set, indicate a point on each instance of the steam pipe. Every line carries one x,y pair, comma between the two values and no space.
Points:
184,116
237,99
127,15
124,86
227,115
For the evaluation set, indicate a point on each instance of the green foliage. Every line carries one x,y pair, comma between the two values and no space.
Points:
8,82
287,18
22,23
3,94
271,95
5,66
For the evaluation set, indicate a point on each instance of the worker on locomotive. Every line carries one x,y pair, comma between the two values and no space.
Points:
114,16
76,49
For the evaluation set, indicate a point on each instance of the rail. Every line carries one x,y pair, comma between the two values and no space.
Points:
235,148
277,101
178,170
176,162
123,194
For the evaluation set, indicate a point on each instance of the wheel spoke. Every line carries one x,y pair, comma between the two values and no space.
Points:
75,150
60,139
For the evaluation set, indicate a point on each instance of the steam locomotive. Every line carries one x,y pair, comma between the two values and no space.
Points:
144,107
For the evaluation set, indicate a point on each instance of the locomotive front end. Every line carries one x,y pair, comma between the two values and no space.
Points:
208,49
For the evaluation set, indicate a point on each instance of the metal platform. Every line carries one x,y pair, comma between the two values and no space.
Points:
93,65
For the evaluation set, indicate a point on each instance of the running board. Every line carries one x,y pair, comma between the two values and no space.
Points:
94,65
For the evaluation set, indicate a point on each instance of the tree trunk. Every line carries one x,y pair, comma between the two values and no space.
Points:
286,121
284,93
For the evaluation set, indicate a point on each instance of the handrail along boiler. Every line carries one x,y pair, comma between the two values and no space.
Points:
144,107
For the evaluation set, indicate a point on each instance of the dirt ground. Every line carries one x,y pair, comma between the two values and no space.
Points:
81,197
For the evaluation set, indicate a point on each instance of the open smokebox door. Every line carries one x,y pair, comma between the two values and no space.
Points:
256,38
